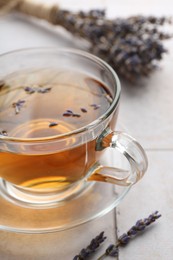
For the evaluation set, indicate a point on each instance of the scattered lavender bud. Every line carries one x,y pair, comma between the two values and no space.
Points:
91,248
52,124
83,110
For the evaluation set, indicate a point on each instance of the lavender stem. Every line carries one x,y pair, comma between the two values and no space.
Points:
123,240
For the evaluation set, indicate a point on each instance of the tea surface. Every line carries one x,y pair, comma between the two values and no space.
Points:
45,103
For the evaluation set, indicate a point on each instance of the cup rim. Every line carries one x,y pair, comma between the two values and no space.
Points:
91,125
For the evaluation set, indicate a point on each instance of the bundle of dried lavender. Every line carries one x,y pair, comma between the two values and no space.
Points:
112,250
131,46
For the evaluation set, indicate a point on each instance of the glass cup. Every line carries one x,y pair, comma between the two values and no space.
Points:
53,172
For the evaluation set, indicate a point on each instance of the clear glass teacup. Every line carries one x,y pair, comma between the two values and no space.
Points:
58,112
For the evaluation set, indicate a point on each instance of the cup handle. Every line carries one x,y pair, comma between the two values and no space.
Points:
127,146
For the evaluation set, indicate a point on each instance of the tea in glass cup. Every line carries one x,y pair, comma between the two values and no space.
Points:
58,113
43,104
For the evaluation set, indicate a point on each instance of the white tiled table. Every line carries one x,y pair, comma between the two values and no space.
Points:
146,111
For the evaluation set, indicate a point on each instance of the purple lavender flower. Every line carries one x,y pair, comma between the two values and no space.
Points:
123,240
91,248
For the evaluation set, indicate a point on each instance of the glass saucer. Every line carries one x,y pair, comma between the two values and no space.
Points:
95,201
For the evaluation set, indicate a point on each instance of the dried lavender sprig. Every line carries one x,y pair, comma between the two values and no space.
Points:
124,239
91,248
131,45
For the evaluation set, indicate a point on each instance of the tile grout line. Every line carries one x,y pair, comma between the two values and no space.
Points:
116,228
115,210
158,149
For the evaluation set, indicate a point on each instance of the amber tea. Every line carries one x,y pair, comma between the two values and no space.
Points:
39,104
58,110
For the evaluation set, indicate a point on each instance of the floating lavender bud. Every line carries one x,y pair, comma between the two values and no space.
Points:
44,90
76,115
69,111
83,110
2,83
29,90
18,105
4,133
67,114
95,106
52,124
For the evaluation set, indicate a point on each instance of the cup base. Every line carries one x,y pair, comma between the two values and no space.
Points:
39,199
93,201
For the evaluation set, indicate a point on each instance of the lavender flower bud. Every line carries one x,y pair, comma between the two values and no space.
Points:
91,248
124,239
112,250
